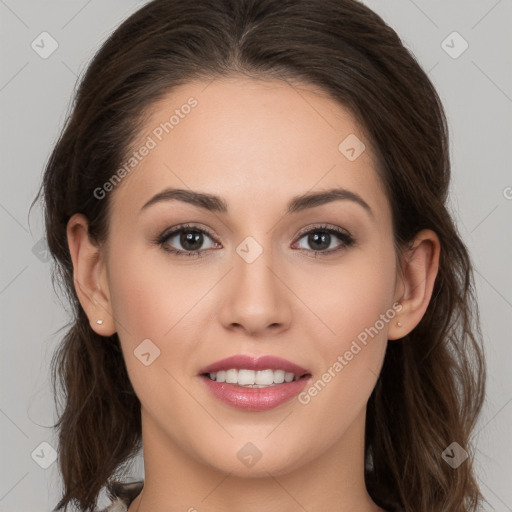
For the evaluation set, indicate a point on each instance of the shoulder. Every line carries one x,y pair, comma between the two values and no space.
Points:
121,495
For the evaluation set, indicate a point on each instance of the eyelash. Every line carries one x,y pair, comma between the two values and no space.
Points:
347,240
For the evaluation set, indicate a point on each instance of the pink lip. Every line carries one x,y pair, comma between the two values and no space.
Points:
244,362
255,399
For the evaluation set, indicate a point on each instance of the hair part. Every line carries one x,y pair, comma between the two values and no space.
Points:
432,384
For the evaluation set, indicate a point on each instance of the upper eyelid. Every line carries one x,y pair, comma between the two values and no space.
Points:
172,231
325,226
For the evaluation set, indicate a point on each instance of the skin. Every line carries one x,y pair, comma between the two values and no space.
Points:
256,144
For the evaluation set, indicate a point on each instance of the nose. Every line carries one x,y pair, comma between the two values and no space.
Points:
255,298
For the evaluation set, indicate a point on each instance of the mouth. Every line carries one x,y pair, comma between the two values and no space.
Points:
254,378
254,383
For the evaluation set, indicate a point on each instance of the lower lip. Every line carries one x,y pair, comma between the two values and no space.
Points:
255,399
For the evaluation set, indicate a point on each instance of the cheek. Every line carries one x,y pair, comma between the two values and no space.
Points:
136,303
155,299
147,307
148,293
350,297
357,308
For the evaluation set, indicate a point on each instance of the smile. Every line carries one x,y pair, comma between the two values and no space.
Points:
253,378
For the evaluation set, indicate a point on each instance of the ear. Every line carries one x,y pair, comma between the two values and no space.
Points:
89,276
416,283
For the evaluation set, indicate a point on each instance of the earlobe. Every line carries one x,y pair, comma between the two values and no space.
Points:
89,276
419,272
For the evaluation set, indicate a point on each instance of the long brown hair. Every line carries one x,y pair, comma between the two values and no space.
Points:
432,384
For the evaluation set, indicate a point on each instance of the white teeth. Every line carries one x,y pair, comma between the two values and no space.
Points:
246,377
279,376
264,377
253,378
232,376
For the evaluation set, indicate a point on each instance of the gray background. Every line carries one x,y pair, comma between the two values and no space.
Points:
35,95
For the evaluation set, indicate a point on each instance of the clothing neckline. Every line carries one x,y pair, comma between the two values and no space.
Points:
122,494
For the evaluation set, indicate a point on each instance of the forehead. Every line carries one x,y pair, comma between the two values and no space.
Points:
251,142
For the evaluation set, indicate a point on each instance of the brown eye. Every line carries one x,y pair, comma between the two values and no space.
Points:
186,241
320,239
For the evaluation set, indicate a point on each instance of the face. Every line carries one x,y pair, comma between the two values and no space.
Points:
313,284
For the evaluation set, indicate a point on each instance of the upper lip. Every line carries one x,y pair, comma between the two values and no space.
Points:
246,362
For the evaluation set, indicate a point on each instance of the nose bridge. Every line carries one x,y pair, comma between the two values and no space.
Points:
256,297
253,266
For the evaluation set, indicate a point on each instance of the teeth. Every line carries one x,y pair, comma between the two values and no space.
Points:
279,376
253,378
231,376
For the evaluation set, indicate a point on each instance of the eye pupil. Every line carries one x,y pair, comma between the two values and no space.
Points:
191,237
316,238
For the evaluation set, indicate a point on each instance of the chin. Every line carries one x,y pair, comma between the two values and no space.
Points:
248,461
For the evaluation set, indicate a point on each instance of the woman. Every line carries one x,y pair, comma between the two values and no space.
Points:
247,208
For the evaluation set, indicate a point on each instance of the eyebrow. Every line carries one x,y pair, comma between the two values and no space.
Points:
299,203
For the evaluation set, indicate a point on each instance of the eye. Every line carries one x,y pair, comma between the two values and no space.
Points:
320,238
191,239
